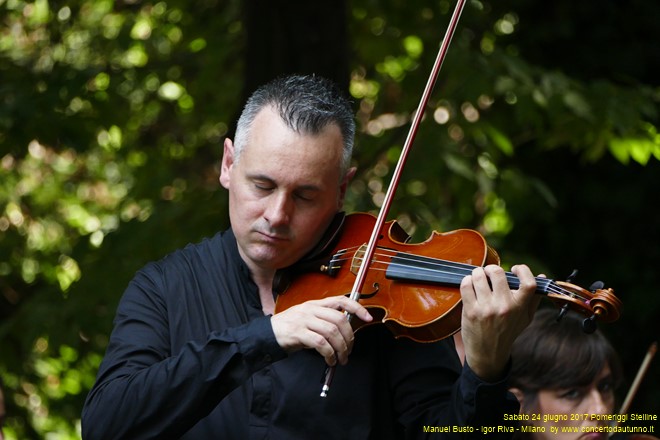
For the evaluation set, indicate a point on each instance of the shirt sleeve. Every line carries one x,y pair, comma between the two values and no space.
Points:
434,395
487,407
143,390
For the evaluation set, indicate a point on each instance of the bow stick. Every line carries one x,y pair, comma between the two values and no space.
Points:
650,353
389,195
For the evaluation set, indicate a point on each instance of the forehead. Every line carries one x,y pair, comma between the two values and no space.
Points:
271,141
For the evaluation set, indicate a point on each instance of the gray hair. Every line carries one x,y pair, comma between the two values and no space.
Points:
307,104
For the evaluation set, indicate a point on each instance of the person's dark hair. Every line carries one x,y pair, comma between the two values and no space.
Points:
552,354
307,104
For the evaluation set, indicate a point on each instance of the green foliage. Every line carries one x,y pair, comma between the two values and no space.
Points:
111,131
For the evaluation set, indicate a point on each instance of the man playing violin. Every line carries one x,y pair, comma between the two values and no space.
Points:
196,351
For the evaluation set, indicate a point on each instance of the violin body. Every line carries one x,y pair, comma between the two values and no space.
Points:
424,311
414,289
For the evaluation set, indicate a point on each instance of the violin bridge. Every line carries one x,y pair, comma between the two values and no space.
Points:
358,258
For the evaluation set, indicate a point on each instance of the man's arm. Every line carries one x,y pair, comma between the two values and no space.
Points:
145,391
493,317
432,391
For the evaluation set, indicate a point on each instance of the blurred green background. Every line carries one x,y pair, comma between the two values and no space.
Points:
542,133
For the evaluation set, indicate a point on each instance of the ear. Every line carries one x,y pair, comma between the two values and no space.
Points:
344,185
520,396
227,163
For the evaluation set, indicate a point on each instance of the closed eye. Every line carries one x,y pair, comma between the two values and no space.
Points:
305,197
263,184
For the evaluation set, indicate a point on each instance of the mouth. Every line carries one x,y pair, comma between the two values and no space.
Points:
272,238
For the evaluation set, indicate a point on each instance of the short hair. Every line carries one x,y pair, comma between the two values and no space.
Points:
552,354
306,104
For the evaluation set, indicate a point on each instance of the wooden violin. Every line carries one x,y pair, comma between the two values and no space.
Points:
414,288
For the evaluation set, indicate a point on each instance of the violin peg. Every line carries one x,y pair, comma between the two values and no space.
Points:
562,312
589,325
596,285
572,276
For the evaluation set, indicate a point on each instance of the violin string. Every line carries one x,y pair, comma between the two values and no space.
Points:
466,269
452,268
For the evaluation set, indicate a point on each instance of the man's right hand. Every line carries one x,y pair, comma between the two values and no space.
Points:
321,325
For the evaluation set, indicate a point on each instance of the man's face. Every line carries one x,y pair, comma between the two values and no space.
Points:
283,190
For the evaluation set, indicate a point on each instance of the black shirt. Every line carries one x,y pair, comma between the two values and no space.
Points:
192,356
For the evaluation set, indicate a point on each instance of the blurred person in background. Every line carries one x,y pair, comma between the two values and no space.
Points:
561,376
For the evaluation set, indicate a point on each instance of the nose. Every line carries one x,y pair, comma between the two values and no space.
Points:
598,403
278,211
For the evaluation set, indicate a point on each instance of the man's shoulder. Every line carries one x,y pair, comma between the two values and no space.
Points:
209,254
205,248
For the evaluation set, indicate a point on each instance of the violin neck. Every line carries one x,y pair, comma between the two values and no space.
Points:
415,268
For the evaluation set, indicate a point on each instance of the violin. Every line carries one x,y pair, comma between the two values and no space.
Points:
413,289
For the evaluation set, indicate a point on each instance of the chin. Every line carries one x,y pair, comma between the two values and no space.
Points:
269,258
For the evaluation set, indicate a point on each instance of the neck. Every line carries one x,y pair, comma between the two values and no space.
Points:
264,281
263,278
408,267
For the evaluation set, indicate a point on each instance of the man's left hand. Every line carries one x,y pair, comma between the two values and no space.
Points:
493,317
